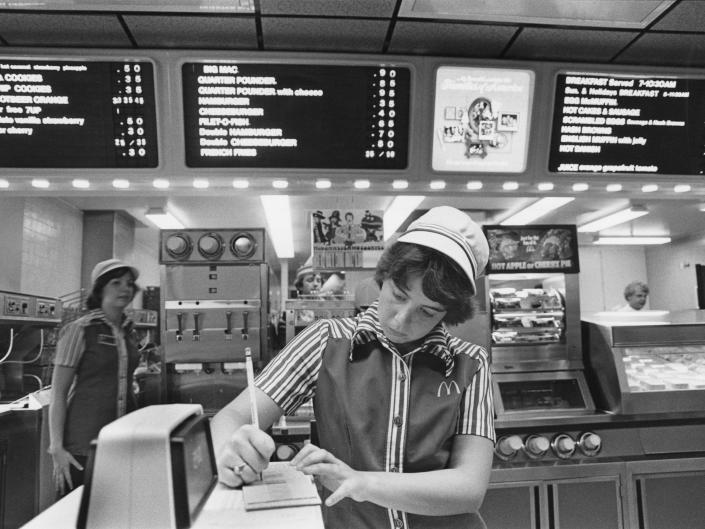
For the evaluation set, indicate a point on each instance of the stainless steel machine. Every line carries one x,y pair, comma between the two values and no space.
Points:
28,325
214,285
535,342
635,461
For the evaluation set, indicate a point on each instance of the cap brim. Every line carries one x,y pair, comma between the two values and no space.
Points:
444,245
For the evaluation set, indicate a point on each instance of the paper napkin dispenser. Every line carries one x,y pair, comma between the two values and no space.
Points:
154,467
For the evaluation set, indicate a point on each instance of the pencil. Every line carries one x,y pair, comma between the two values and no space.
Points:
251,386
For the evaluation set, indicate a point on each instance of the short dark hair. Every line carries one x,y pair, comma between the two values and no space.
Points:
95,299
442,280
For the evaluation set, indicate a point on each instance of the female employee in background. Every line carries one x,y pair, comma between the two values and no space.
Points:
403,409
92,380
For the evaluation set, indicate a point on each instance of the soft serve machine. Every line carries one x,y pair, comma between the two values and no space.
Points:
214,305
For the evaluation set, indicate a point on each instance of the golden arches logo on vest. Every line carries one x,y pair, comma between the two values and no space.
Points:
444,388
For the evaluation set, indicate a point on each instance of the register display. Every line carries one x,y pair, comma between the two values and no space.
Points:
77,114
296,115
628,124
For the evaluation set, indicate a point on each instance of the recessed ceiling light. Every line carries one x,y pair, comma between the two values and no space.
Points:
474,185
613,188
4,184
681,188
280,184
161,183
201,183
81,183
241,183
323,183
41,183
121,183
580,186
649,188
545,186
400,184
510,186
362,184
437,184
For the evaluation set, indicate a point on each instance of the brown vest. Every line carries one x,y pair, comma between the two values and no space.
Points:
357,423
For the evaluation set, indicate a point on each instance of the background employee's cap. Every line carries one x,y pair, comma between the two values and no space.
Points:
453,233
109,265
306,268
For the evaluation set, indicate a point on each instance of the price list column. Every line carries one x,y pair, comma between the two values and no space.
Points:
128,103
383,116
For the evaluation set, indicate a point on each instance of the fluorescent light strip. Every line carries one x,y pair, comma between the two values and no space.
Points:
620,217
437,184
580,186
632,240
4,184
681,188
161,183
323,183
241,183
362,184
545,186
201,183
536,210
163,219
474,185
398,211
80,183
277,212
280,184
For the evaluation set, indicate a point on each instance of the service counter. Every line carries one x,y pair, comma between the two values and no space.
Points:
223,509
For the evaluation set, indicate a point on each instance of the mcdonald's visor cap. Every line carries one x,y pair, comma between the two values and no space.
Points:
453,233
109,265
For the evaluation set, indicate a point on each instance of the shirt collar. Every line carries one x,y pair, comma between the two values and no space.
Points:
98,315
368,329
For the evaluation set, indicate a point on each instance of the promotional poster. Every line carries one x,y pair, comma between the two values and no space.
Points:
481,119
345,239
537,248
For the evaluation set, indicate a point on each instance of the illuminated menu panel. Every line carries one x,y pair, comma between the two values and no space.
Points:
628,124
77,114
296,115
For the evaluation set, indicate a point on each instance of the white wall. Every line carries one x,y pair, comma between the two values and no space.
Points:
605,271
671,269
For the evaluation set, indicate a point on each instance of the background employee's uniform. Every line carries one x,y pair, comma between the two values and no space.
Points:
380,411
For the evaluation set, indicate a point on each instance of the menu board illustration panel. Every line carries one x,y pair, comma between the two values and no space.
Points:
77,114
609,123
481,119
296,115
535,248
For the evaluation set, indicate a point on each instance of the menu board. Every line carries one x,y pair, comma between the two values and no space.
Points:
77,114
296,115
481,119
606,123
534,248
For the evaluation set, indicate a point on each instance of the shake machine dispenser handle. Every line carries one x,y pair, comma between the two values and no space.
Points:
196,331
179,331
229,325
245,330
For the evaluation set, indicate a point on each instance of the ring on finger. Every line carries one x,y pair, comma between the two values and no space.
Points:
239,468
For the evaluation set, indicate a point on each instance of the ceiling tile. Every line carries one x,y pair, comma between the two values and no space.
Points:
568,44
193,31
340,8
666,49
689,15
324,34
55,29
439,38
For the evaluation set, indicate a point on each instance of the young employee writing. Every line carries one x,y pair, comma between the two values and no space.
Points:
403,409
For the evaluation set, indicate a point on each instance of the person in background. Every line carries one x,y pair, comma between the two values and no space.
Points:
91,385
635,293
308,282
404,411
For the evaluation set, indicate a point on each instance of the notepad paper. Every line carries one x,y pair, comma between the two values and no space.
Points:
281,486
